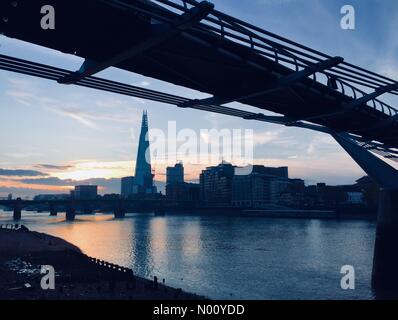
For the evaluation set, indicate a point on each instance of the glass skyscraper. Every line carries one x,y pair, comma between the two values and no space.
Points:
143,171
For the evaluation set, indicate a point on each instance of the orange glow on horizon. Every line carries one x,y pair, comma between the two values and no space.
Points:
22,185
93,170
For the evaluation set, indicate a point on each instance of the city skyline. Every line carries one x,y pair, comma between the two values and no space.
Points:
200,151
95,130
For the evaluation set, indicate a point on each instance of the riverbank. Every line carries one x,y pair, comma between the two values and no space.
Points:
77,276
309,214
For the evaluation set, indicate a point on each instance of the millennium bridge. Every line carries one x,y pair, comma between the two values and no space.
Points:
192,44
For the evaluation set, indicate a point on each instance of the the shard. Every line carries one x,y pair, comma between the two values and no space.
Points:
143,170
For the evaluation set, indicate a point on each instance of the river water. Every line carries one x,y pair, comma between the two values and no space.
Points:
227,257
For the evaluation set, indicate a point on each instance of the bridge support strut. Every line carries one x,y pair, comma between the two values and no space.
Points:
161,34
120,211
385,259
53,211
17,215
70,212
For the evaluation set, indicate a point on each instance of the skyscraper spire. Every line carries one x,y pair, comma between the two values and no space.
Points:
143,170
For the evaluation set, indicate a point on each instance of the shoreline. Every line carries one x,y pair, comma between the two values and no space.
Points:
77,276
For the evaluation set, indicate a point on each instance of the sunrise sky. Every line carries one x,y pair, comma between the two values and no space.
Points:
53,136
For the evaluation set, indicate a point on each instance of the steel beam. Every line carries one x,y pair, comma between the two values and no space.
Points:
164,33
383,124
279,84
357,103
52,73
384,175
366,98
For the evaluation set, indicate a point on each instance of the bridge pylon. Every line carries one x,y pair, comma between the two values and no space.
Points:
120,211
17,214
70,212
53,210
385,259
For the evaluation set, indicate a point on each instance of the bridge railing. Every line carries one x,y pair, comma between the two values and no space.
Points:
286,52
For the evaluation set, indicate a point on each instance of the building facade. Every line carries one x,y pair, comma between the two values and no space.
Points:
183,192
143,170
51,197
253,190
127,188
261,188
85,193
355,198
142,183
175,174
216,185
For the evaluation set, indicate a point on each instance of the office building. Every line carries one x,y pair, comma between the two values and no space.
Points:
51,197
175,174
216,185
183,192
142,183
143,171
127,187
261,188
85,192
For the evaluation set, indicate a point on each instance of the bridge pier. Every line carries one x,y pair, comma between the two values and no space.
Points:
53,211
17,215
385,260
119,211
87,209
160,212
70,212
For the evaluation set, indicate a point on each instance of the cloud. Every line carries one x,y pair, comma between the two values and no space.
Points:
22,155
21,90
24,92
115,102
263,138
76,114
311,149
54,181
21,173
323,144
50,181
89,119
111,185
23,192
53,167
21,96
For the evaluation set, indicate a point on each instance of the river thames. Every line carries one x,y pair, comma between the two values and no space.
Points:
224,257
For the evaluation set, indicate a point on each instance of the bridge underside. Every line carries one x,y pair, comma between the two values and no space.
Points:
116,34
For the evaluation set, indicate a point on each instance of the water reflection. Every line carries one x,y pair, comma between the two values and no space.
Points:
227,257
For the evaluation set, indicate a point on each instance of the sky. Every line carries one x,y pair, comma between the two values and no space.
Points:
54,136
